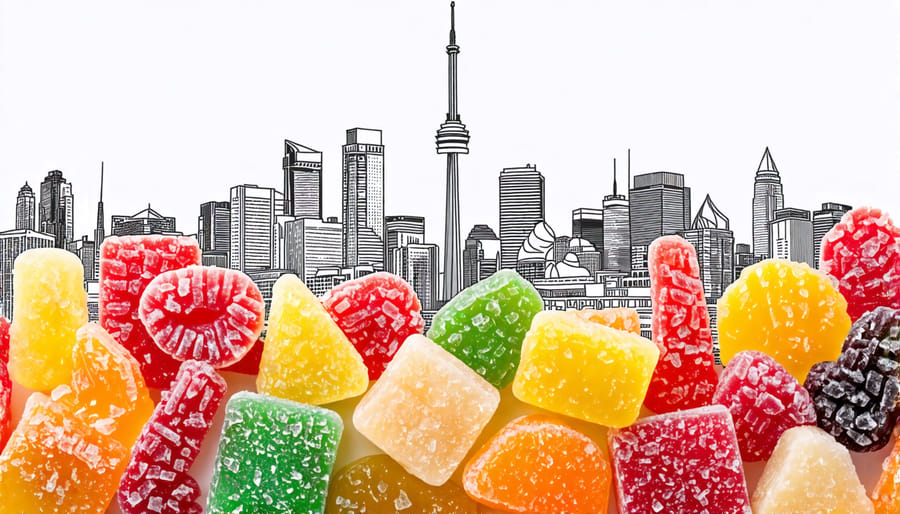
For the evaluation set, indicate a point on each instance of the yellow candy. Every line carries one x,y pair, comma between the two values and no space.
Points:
583,369
307,358
50,304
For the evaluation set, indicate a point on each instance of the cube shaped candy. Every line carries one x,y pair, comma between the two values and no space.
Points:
274,456
426,410
584,369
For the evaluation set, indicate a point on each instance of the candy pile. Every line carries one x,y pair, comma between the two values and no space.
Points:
801,388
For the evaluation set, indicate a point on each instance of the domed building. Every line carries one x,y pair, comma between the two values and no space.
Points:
569,267
535,251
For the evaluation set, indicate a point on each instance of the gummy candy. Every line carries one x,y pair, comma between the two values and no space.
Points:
127,265
157,479
5,384
274,456
810,472
857,398
377,313
484,325
426,410
618,318
50,305
306,357
764,401
685,461
559,348
249,363
203,313
539,464
863,253
886,495
56,463
685,376
784,309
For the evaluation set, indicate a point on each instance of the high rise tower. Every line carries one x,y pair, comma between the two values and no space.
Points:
521,208
25,208
100,231
768,197
452,140
363,199
616,229
56,207
302,181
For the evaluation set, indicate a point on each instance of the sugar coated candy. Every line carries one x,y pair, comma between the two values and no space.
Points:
426,410
203,313
157,478
107,390
539,464
50,305
786,310
376,484
127,265
685,461
810,472
5,383
307,358
377,313
886,494
863,253
249,363
559,348
685,376
274,455
56,463
484,325
617,318
857,397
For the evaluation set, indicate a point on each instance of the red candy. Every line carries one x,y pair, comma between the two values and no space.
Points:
249,364
127,265
863,253
5,384
764,401
204,313
685,376
377,313
157,479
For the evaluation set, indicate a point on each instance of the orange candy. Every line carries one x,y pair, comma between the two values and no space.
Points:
886,495
538,464
619,318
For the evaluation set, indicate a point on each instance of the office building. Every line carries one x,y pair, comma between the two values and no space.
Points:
743,257
214,233
363,198
823,219
311,245
302,181
56,210
710,234
146,222
616,230
521,208
418,264
401,231
768,197
791,236
660,205
481,255
253,219
587,224
13,243
25,208
86,250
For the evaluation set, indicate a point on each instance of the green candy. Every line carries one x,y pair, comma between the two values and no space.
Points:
485,324
274,456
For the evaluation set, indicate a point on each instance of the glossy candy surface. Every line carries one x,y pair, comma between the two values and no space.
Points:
617,318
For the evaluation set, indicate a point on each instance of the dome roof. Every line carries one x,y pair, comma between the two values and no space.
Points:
581,244
569,267
539,242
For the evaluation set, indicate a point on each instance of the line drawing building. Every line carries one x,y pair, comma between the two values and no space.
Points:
56,210
312,245
768,197
791,236
302,181
145,222
587,224
616,230
12,244
710,234
214,233
99,228
823,219
418,264
252,241
481,255
660,205
363,198
521,208
25,207
401,231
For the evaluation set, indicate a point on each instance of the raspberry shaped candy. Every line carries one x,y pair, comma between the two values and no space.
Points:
204,313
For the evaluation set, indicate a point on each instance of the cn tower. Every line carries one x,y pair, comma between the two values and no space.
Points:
452,140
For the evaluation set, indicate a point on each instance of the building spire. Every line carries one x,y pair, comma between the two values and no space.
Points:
628,185
101,181
615,187
452,23
100,230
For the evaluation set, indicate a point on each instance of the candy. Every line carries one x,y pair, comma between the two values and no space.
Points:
786,310
886,495
377,313
863,253
539,464
618,318
5,383
274,456
107,391
810,472
306,357
857,398
558,350
56,463
249,363
426,410
127,265
50,305
484,325
686,461
157,478
203,313
764,401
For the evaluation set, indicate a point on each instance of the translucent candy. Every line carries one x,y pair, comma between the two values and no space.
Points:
157,478
484,325
377,313
764,401
810,472
886,494
784,309
307,358
686,461
55,463
539,464
274,456
618,318
203,313
426,410
558,350
127,265
50,305
5,384
685,376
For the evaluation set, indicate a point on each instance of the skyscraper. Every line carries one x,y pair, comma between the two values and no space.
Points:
401,231
418,265
87,253
452,140
311,245
825,218
56,209
587,224
521,208
616,230
660,205
363,198
302,181
252,227
791,236
99,230
711,235
214,233
481,255
768,197
25,208
13,243
147,221
743,257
